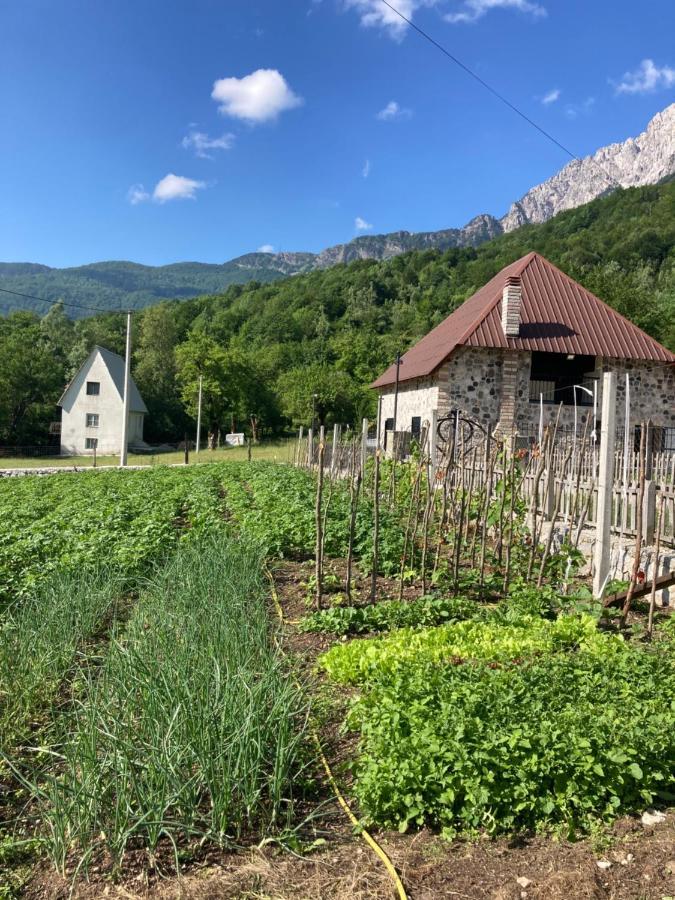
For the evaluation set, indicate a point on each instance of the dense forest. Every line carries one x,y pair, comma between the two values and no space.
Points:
269,352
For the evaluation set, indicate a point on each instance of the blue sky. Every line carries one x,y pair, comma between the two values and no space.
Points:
160,131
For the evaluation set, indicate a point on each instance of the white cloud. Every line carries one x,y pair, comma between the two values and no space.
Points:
266,248
473,10
201,143
365,171
646,78
258,97
375,14
361,224
551,97
574,110
137,194
393,111
176,187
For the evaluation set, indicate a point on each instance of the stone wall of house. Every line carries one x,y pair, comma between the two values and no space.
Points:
652,392
477,381
471,380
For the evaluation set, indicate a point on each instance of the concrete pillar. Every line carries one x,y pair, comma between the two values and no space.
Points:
310,447
605,484
548,497
649,513
433,444
364,445
649,449
334,448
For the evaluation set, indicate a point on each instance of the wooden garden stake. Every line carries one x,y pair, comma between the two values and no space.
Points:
486,511
319,529
502,506
554,516
479,502
657,552
512,498
408,528
470,495
428,516
354,491
444,510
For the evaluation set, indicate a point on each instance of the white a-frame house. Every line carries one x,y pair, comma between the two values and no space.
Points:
91,407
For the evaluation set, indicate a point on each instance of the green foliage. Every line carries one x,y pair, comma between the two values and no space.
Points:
389,614
41,637
380,659
331,331
31,382
69,523
562,739
275,504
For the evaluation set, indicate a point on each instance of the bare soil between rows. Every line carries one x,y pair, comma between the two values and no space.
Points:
637,861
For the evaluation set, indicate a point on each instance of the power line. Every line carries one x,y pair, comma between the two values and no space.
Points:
496,93
55,302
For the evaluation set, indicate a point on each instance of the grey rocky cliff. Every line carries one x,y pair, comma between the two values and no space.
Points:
646,159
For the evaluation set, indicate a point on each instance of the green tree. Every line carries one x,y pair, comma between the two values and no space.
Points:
331,395
223,383
31,381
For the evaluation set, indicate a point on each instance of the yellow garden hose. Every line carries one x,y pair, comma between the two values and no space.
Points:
368,838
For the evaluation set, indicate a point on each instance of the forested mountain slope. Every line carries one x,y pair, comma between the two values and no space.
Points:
265,349
647,159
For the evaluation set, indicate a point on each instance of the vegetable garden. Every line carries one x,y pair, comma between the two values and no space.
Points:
150,701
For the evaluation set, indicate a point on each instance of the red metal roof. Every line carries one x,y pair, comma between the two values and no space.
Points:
557,315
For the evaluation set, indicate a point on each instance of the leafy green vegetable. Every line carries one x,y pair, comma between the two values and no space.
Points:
390,614
564,739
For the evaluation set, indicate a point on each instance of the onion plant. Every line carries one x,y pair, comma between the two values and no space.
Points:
41,638
191,728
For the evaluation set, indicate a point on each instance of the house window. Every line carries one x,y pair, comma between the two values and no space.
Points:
90,443
92,420
388,426
416,427
557,377
93,388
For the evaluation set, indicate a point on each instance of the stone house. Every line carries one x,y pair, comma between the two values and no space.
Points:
92,407
528,341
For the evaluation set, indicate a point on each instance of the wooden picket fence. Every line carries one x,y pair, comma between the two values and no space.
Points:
577,486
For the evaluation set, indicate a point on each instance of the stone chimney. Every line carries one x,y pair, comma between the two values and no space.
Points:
511,300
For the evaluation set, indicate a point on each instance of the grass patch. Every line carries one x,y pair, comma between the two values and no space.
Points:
40,639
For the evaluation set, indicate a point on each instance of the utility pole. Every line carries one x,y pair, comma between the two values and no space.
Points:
199,415
125,401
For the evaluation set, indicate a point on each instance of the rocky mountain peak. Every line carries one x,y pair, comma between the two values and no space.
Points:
646,159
